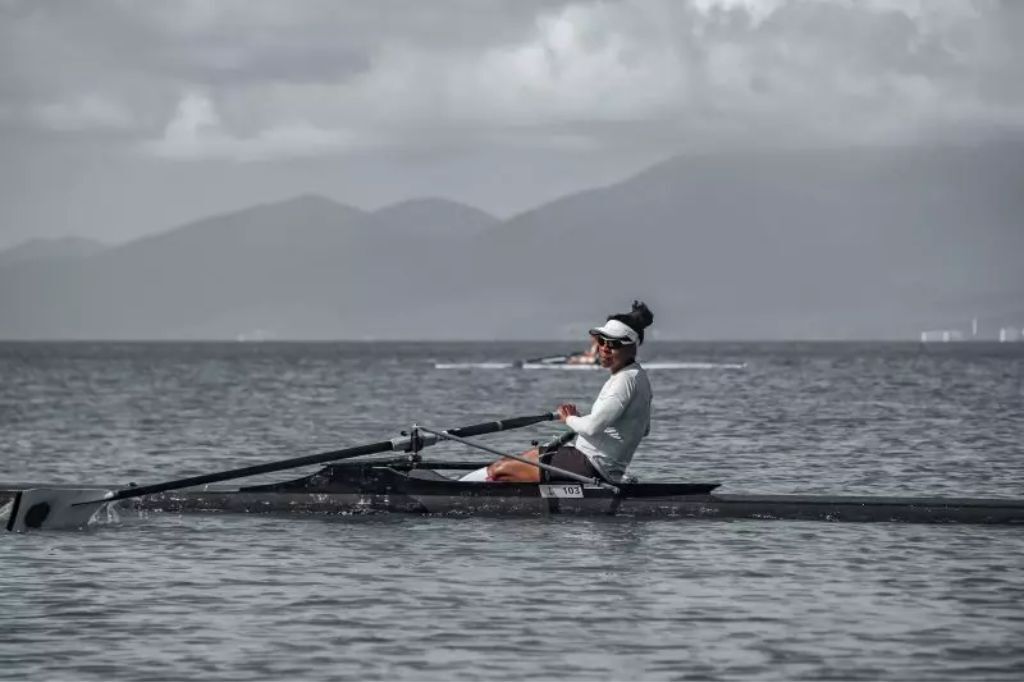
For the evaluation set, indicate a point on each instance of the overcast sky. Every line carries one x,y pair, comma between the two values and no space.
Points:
121,118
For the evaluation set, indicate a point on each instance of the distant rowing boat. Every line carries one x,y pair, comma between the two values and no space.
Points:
582,367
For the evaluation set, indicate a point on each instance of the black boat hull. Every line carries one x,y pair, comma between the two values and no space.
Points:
369,489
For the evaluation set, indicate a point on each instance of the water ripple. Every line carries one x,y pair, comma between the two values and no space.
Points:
223,597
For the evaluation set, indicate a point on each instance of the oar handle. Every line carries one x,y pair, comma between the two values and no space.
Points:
502,425
555,443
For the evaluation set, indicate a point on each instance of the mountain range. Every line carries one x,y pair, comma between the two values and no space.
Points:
864,243
62,248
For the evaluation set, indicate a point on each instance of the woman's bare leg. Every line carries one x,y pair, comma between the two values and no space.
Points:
510,470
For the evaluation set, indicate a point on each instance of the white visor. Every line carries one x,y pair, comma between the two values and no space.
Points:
620,331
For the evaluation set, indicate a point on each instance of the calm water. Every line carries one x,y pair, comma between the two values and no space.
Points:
223,597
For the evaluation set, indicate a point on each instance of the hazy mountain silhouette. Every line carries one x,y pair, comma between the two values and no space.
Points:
304,268
437,218
59,249
863,243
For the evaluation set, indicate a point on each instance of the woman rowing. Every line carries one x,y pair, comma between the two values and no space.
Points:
620,417
591,356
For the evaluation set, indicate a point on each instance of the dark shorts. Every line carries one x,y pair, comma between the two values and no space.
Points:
569,458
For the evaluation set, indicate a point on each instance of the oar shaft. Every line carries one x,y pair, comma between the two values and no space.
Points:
546,358
243,472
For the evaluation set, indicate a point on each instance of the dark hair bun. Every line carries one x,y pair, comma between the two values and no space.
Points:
639,318
641,315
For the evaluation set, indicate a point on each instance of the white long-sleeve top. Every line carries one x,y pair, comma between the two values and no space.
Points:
618,420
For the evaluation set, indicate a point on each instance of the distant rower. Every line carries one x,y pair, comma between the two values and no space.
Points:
620,417
587,357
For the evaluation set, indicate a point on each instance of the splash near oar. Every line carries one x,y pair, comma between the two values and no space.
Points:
54,508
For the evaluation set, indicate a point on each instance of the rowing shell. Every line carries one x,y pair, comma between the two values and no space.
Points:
392,488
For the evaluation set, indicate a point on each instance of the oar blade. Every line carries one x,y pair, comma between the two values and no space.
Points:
54,508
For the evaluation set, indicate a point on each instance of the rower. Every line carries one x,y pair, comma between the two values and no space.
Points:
620,417
588,357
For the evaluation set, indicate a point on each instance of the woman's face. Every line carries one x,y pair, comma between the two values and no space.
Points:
612,354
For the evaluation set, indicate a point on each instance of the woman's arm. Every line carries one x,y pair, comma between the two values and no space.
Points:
606,410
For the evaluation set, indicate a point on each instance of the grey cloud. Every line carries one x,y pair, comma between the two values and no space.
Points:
594,84
502,65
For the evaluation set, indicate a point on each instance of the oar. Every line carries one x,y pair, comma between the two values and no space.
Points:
545,359
548,360
73,507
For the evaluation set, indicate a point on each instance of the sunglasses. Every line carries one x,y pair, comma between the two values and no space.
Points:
611,344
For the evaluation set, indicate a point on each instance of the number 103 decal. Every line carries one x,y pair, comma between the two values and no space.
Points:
561,490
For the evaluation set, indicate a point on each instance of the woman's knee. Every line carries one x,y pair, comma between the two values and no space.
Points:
514,470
